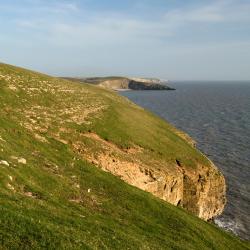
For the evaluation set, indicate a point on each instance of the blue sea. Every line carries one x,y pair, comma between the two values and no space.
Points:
217,116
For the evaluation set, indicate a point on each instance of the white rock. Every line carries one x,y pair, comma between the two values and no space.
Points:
10,187
1,139
10,177
12,87
22,161
2,162
89,190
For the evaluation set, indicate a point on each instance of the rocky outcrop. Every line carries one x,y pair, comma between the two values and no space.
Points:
199,190
203,191
136,85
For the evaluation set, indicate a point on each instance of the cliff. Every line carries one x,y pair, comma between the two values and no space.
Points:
125,83
200,190
57,137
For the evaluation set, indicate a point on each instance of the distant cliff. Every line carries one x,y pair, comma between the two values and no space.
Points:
124,83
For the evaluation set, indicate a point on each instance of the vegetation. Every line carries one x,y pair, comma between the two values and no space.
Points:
53,198
95,80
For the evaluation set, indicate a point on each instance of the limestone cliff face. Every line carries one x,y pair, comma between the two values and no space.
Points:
124,83
133,84
201,190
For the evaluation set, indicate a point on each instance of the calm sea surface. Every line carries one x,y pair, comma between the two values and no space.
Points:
217,116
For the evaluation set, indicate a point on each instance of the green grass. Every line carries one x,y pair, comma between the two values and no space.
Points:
61,213
95,80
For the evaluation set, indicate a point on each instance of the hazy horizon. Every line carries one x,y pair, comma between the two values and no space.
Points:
174,40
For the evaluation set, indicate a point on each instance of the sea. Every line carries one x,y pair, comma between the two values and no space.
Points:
217,116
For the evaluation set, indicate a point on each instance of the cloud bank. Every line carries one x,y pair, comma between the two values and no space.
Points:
144,38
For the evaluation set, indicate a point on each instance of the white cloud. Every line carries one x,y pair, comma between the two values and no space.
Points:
204,14
38,7
109,27
62,7
120,40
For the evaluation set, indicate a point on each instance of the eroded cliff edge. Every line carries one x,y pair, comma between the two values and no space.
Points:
201,191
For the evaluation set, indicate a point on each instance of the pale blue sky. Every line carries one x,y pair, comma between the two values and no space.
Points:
170,39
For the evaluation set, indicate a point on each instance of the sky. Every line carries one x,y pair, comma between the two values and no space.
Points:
168,39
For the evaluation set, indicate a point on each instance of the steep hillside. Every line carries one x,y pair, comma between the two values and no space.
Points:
56,136
124,83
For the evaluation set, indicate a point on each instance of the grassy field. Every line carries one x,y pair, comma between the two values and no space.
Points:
53,198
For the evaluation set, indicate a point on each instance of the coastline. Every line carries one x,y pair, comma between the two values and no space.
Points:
215,129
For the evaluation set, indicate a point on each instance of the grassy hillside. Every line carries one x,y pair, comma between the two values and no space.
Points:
53,197
95,80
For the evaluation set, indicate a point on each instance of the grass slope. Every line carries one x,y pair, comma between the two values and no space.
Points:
57,200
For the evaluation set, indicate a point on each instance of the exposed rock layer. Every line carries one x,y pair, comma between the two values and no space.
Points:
200,191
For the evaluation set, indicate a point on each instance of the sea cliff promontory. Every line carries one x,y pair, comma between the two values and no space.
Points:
76,160
125,83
